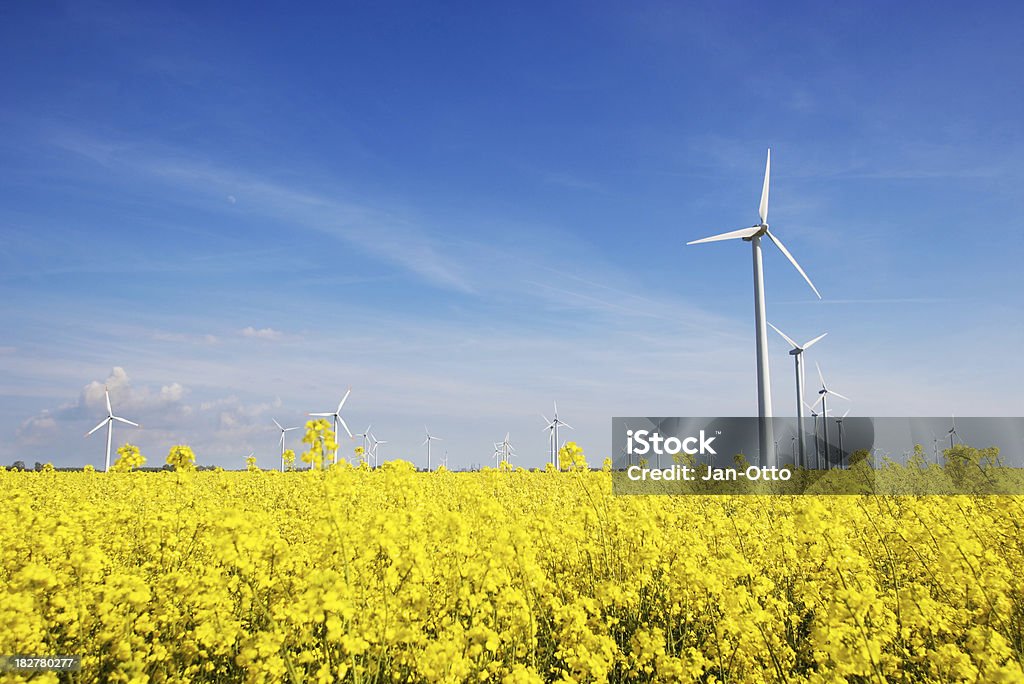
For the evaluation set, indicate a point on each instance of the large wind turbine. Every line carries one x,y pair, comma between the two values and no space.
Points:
552,427
430,438
109,422
797,353
283,430
753,236
337,419
822,393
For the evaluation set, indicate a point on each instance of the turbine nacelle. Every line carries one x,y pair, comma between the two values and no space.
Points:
763,229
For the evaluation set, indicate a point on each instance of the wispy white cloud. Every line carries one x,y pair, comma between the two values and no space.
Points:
262,333
381,233
165,336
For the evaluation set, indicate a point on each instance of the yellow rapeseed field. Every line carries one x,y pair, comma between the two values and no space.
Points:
391,575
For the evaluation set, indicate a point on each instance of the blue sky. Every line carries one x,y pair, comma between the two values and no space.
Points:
230,214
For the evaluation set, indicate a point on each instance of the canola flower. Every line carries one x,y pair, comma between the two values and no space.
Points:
181,457
390,575
288,457
128,459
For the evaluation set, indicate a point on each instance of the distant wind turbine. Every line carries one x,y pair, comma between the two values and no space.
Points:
338,419
817,450
375,446
109,422
952,431
839,426
552,428
430,438
753,236
283,430
503,451
797,352
822,394
364,434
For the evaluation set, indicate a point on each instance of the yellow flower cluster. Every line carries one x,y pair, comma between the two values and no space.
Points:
181,457
389,575
128,459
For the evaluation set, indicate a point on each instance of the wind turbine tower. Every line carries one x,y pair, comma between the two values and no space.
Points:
109,422
283,430
375,447
430,438
817,450
552,428
797,352
839,426
823,393
753,235
336,414
503,450
364,435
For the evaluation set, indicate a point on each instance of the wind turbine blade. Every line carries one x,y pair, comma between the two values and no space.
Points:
782,248
277,424
342,421
820,376
287,429
807,345
763,208
785,337
320,414
820,397
102,423
106,393
124,421
344,399
425,441
556,406
564,424
837,394
847,413
732,235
